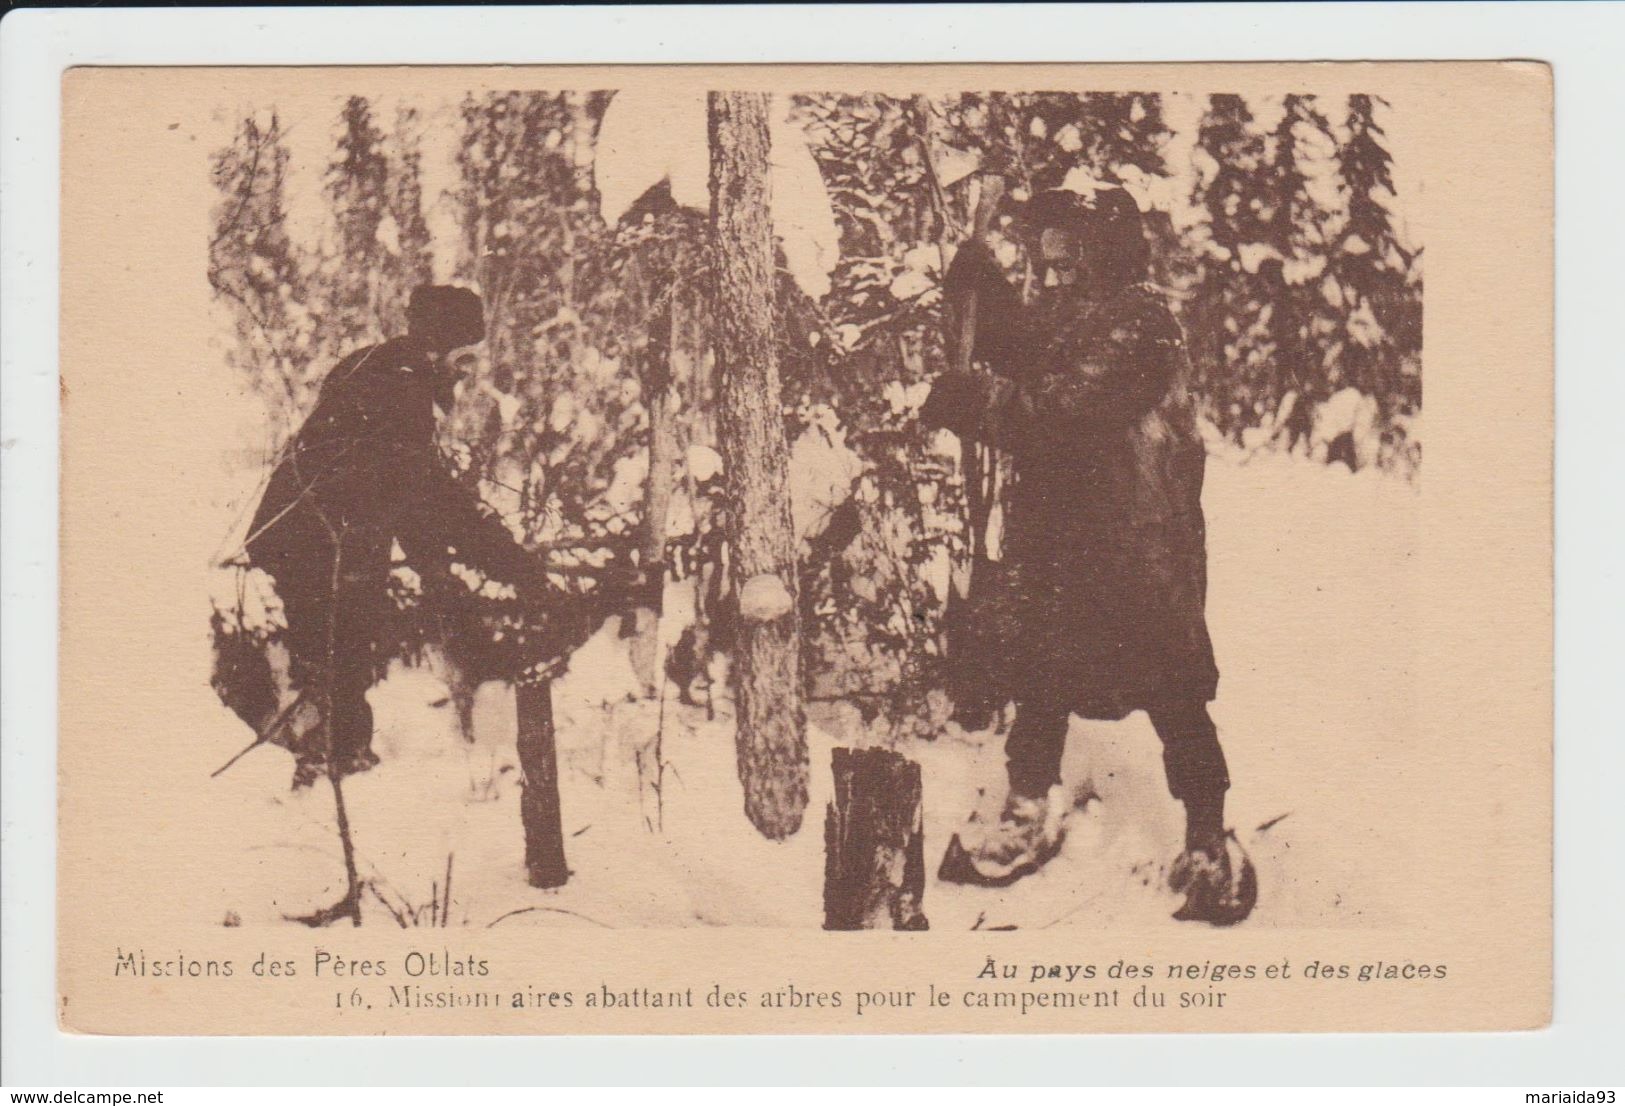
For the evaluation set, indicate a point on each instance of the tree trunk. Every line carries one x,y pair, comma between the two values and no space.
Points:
770,737
874,843
659,399
975,461
539,798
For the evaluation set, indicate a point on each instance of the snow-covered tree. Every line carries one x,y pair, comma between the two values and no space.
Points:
872,612
260,274
550,417
1225,321
1295,315
381,248
1377,279
1039,139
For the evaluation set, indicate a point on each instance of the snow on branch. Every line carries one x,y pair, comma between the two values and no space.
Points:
649,135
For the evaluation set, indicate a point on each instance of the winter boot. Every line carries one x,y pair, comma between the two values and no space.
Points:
1219,883
1027,834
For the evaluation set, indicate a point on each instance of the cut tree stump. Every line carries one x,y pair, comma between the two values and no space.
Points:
874,843
539,800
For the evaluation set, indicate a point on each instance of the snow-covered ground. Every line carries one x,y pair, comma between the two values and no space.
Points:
1308,607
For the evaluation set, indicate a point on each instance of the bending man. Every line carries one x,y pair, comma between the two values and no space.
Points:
363,473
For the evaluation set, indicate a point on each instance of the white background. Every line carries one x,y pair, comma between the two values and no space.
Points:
1582,41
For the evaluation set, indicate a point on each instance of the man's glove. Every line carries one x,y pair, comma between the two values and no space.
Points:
956,402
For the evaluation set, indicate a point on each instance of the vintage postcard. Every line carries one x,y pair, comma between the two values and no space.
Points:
806,549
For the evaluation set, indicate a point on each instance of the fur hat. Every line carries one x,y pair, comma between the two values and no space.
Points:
445,316
1107,224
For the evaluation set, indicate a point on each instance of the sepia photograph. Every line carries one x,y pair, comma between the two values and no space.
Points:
652,509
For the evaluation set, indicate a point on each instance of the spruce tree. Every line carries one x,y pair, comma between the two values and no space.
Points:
382,242
1295,231
1225,322
412,262
262,276
1378,280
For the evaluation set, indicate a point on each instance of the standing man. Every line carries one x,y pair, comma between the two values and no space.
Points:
1104,540
362,474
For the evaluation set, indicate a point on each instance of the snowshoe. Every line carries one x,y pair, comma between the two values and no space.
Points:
1026,836
1220,888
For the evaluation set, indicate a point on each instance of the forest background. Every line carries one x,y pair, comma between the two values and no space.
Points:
1276,230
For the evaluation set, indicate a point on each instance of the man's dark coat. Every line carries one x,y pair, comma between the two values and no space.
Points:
1104,583
362,474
